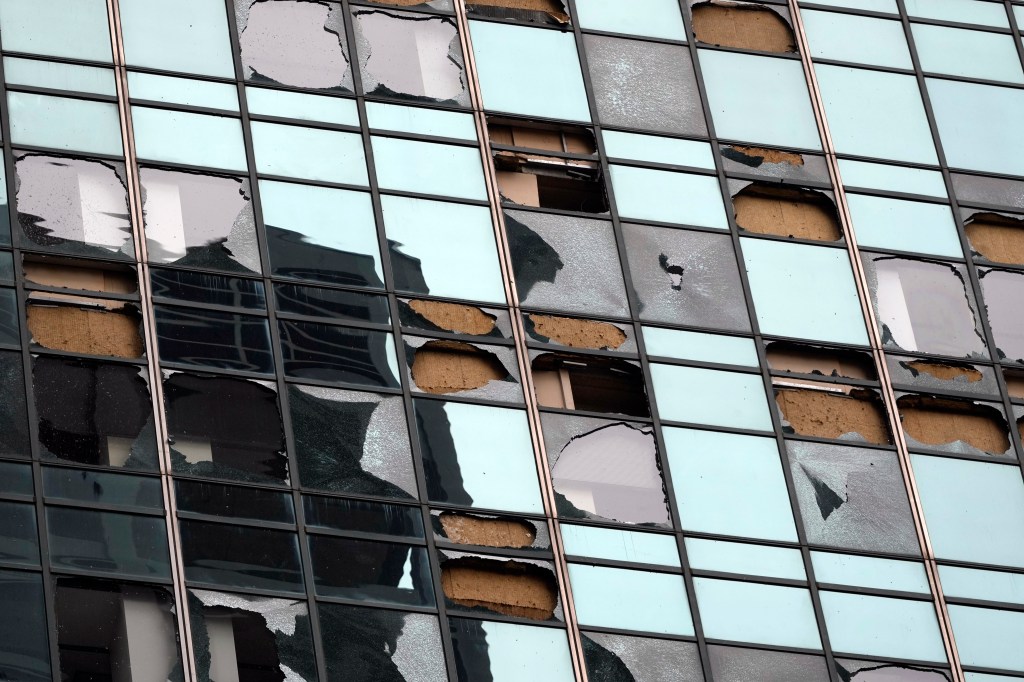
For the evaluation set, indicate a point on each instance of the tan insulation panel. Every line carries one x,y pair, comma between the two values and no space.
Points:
466,529
579,333
511,588
522,188
769,155
786,213
945,371
454,317
85,331
998,238
748,27
452,366
74,277
936,421
552,8
824,414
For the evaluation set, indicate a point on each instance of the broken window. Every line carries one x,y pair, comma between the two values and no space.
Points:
318,154
127,544
900,225
942,375
832,411
19,541
488,650
630,600
686,278
100,487
294,42
199,221
1001,290
14,439
707,396
363,517
490,531
455,367
797,358
24,652
796,213
80,274
241,557
410,56
578,333
979,189
605,470
996,237
657,19
439,316
255,504
518,588
733,664
954,425
210,338
83,325
78,125
73,206
242,637
366,570
590,384
757,613
852,38
852,498
881,626
618,657
351,442
338,354
774,164
1014,384
872,671
445,5
477,456
743,25
536,11
94,412
207,288
222,427
686,345
338,304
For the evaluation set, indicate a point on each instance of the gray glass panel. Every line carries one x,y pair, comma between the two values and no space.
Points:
1002,291
16,478
880,626
14,413
236,502
972,54
657,19
340,304
19,543
205,287
24,654
102,488
762,614
733,664
234,556
187,138
192,38
103,541
617,658
209,338
363,517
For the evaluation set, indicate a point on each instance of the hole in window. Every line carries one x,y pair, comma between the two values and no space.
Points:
442,367
873,671
575,333
1002,291
449,317
486,531
743,25
962,425
592,384
786,212
944,371
1014,383
756,156
83,325
80,274
511,588
542,11
798,358
833,411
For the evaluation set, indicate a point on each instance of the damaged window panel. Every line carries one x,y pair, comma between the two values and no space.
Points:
207,288
365,570
959,426
410,56
477,456
24,652
199,221
209,338
943,376
898,225
94,412
653,18
605,470
852,498
242,637
455,367
795,213
518,588
630,600
1001,290
363,517
530,11
742,25
455,318
351,442
84,275
73,206
334,304
566,263
924,306
490,531
618,658
996,237
761,614
707,396
686,278
532,179
733,664
579,333
773,164
664,196
222,427
686,345
659,549
240,557
338,354
83,325
590,384
1014,383
881,626
116,631
851,38
212,499
294,42
798,358
486,650
86,540
444,5
832,411
367,645
14,438
62,123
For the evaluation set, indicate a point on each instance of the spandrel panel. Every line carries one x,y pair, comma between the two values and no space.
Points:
707,396
102,488
24,654
293,42
420,120
879,626
308,153
729,484
19,543
630,600
429,168
1002,291
301,106
644,85
442,249
745,559
874,671
367,645
465,370
86,540
73,206
652,18
869,572
566,263
488,650
619,658
339,304
761,614
59,76
410,56
340,354
62,123
686,278
208,288
971,54
529,71
972,120
186,138
988,637
14,439
852,38
363,517
871,113
620,545
235,556
477,456
199,221
902,225
648,194
738,84
804,291
191,39
77,29
959,11
733,664
236,502
973,583
188,91
868,175
385,572
321,234
209,338
655,149
351,442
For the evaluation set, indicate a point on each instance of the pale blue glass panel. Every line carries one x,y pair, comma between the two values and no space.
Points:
960,11
685,345
852,38
804,291
420,120
973,54
881,626
869,5
190,36
708,396
862,571
729,484
1018,13
871,113
974,583
982,677
620,545
740,84
647,194
762,614
740,558
308,153
973,121
59,76
429,168
188,91
301,106
904,225
63,28
868,175
454,244
630,600
549,657
194,139
652,18
986,523
529,71
62,123
654,149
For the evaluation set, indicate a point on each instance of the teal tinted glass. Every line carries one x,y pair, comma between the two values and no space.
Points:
892,178
196,93
647,194
191,37
745,559
869,5
630,600
960,11
729,484
193,139
651,18
495,651
620,545
871,572
308,153
429,168
57,76
301,106
852,38
723,398
973,120
529,71
904,225
972,54
76,29
654,149
738,84
974,583
420,120
62,123
804,291
762,614
988,637
686,345
880,626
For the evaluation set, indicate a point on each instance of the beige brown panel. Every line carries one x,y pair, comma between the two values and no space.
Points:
579,333
827,414
766,155
454,317
945,371
998,238
80,277
511,588
941,421
469,529
83,330
452,366
803,214
746,26
553,8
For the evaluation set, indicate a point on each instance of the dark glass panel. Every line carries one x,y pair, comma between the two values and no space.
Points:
200,497
234,556
24,654
371,571
214,339
202,287
331,303
364,517
345,354
104,541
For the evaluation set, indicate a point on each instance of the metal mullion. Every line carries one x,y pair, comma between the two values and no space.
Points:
1015,30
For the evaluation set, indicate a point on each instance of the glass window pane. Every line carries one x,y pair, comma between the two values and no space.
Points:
868,5
1002,290
762,614
102,488
211,338
987,637
961,11
420,120
24,654
61,123
724,398
494,651
13,414
371,571
204,287
645,660
188,91
234,556
744,559
19,542
647,194
104,541
972,54
652,18
343,354
904,225
193,139
879,626
193,38
630,600
429,168
870,572
928,183
685,345
307,153
57,76
852,38
302,106
669,150
973,583
972,119
235,502
733,664
76,29
620,545
15,478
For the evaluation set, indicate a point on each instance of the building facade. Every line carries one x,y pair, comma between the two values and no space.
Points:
512,341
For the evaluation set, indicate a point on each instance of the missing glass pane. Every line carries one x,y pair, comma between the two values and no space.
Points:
743,25
590,384
786,212
954,425
83,325
520,589
455,367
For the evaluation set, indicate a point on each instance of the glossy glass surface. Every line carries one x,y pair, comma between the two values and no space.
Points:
337,304
371,571
962,11
725,399
668,150
308,153
193,38
58,76
761,614
24,653
339,354
904,225
651,18
616,658
362,517
852,38
701,347
488,650
209,338
62,123
745,559
631,600
420,120
868,175
188,91
14,439
102,488
879,626
978,642
15,478
203,287
87,540
972,54
970,118
234,556
191,139
870,572
301,106
428,168
973,583
733,664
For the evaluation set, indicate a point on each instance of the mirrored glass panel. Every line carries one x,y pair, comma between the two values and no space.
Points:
339,354
86,540
371,571
489,650
240,557
209,338
24,651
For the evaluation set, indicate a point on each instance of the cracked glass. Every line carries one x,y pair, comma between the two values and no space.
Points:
734,664
872,671
619,658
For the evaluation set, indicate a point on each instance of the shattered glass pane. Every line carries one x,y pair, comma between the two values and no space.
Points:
871,671
102,488
235,556
211,338
221,427
410,56
199,221
207,288
605,469
882,626
362,517
14,413
351,442
19,542
630,600
659,19
377,645
486,650
439,316
733,664
617,658
1002,292
73,206
294,42
852,497
94,413
86,540
236,635
257,504
24,654
371,571
9,331
686,278
336,304
463,369
339,354
936,376
984,190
